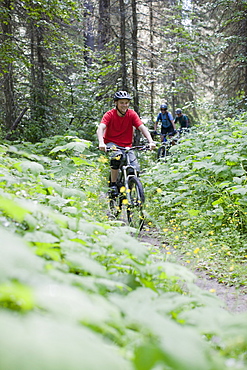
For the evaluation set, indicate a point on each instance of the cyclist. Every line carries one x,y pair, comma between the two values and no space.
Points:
182,119
167,122
117,128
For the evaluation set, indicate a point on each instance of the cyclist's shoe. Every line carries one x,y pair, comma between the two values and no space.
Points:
113,191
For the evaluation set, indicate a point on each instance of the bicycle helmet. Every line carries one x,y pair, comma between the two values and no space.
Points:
163,106
121,95
178,111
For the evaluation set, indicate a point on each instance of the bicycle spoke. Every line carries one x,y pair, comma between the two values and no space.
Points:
136,200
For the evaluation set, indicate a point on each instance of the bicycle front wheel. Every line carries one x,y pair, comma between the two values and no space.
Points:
162,152
136,200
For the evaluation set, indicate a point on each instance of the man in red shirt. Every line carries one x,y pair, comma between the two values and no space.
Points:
116,128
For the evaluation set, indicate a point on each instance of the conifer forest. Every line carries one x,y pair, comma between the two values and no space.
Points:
80,289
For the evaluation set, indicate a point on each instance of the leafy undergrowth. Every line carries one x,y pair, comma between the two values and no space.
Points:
198,199
79,292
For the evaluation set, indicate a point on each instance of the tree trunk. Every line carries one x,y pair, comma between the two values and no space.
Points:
16,123
37,93
88,30
151,59
104,21
135,58
123,45
7,67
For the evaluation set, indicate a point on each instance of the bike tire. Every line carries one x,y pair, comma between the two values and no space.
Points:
162,152
136,199
115,207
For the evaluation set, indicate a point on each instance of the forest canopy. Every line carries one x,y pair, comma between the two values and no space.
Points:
62,61
77,288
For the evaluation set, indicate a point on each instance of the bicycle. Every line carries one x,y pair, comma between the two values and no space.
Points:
130,190
163,150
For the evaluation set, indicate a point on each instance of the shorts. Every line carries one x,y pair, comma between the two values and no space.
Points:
166,130
133,160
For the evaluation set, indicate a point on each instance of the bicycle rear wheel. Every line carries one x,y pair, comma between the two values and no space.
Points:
136,197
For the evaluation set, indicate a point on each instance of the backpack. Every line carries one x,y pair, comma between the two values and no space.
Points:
184,120
167,119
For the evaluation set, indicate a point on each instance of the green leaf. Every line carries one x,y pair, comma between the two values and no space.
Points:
48,184
202,164
213,319
84,263
80,161
40,237
239,190
121,241
16,296
34,167
172,270
78,146
3,149
63,168
193,212
17,259
218,201
12,209
70,193
177,346
48,251
39,342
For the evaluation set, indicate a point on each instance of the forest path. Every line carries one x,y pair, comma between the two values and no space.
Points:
235,300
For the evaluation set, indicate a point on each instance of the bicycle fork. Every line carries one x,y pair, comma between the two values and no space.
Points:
126,178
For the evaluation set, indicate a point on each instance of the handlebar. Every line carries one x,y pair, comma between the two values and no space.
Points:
172,133
127,149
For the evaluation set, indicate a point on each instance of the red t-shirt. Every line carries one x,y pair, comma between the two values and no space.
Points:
119,130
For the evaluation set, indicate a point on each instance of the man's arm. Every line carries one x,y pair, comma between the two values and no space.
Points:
146,133
100,133
172,120
173,124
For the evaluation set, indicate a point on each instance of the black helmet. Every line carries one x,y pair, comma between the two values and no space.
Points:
121,95
178,111
163,106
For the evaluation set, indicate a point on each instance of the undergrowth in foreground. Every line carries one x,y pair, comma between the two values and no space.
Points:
78,291
198,200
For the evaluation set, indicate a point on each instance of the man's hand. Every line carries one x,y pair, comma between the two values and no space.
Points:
152,145
102,147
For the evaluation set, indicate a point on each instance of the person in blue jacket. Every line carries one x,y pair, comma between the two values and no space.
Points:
167,122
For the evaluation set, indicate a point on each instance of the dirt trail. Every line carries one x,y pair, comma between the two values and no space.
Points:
234,299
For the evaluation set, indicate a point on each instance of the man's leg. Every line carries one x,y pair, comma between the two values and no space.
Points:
114,175
134,162
164,133
114,164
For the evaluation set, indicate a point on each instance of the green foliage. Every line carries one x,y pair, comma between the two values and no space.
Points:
73,285
201,199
